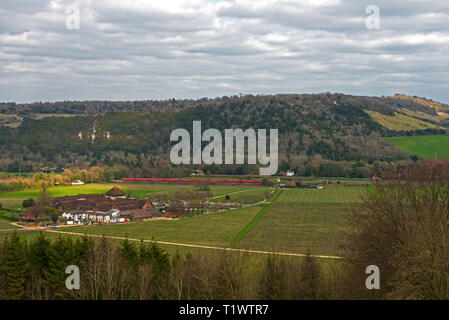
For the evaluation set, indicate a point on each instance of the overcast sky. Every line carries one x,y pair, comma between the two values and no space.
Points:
148,49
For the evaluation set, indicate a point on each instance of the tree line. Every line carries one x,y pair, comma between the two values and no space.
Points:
41,180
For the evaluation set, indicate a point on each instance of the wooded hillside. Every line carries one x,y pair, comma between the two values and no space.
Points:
313,129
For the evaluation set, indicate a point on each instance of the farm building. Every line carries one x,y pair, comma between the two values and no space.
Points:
142,214
198,173
96,202
175,212
116,193
110,208
111,216
89,216
31,214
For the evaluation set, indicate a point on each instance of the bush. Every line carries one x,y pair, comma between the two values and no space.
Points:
54,217
28,203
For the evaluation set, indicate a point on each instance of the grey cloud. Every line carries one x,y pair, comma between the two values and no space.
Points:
153,49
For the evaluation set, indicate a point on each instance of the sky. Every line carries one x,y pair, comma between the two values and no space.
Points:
148,49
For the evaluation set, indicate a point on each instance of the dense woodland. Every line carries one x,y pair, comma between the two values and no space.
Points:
322,134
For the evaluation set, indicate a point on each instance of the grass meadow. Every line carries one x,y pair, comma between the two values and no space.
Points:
246,196
400,121
423,146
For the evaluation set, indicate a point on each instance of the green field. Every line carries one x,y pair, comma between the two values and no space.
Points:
243,232
216,229
305,219
331,194
138,190
5,225
252,195
423,146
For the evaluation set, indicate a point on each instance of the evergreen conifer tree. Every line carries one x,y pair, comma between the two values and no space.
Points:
16,266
